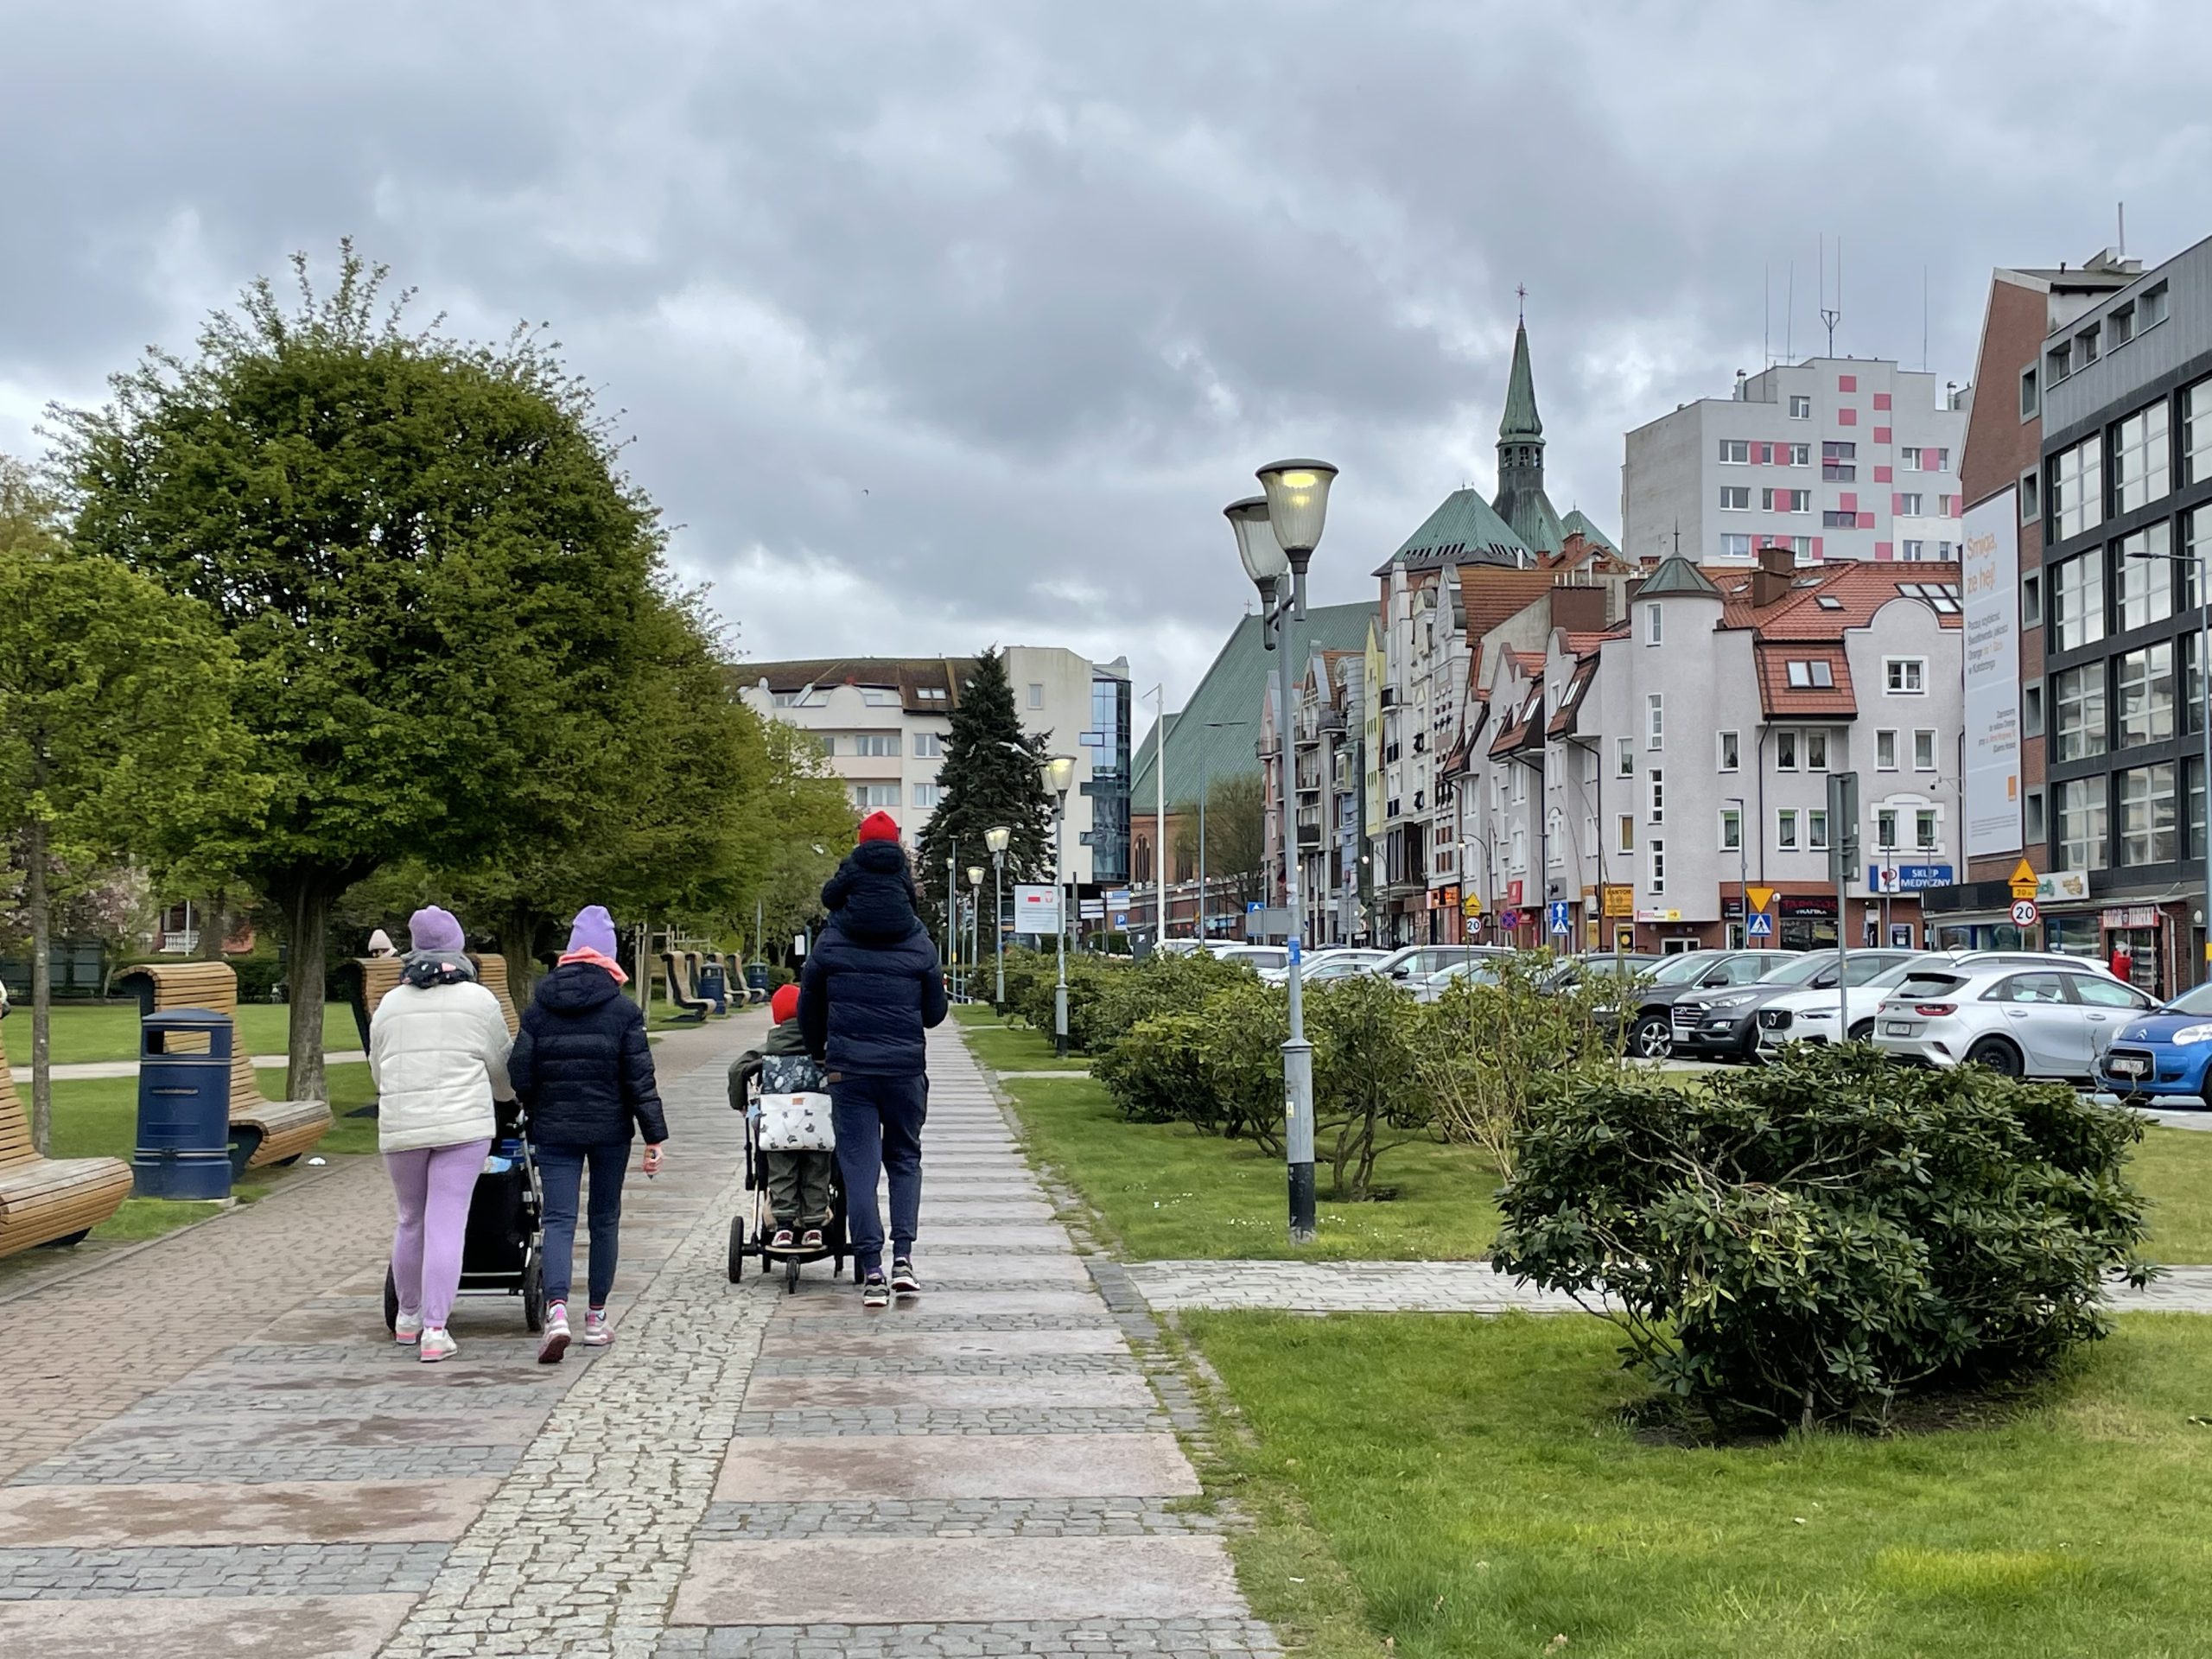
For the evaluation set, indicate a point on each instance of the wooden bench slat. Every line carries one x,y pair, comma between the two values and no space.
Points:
43,1198
213,985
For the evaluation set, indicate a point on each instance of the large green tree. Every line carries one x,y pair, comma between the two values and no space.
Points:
989,777
1235,832
115,732
428,559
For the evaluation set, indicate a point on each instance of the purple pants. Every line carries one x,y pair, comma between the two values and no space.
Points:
433,1186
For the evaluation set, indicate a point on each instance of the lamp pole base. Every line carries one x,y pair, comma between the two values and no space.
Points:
1060,1020
1301,1204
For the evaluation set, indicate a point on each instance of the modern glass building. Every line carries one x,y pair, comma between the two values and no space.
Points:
1106,741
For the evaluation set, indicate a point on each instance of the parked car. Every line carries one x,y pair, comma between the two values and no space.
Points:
1181,947
1649,1024
1258,957
2031,1022
1476,970
1416,962
1809,1016
1324,966
1723,1025
2162,1058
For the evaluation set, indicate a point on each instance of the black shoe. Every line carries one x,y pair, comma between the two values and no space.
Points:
903,1280
874,1292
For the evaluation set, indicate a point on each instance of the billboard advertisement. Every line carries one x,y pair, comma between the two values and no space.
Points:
1990,597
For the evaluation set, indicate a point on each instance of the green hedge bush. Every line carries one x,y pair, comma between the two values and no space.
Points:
1815,1239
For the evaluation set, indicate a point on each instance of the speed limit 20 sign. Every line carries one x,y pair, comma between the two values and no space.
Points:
2024,912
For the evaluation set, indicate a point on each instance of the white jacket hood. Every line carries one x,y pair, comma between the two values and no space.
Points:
438,1056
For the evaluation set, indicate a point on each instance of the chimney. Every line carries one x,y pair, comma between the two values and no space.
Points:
1578,610
1778,569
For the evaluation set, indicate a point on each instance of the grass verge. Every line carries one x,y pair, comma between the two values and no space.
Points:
1472,1482
83,1033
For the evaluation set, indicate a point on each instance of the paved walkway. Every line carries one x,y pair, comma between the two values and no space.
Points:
209,1448
82,1070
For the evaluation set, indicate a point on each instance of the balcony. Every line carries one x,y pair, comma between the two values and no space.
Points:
1309,834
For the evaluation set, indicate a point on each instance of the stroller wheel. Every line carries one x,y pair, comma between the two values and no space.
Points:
533,1294
791,1276
736,1249
391,1299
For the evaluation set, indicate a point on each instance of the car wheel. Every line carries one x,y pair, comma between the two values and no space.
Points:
1651,1038
1998,1055
1863,1032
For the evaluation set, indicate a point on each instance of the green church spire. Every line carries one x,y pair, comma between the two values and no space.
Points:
1522,422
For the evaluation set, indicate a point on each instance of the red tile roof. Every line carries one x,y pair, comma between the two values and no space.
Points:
1491,593
1776,695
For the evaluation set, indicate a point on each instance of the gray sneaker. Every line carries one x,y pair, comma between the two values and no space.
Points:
874,1292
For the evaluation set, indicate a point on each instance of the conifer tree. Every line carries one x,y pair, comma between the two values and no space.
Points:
989,778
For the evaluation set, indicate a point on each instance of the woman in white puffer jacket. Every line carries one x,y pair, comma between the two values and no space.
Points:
438,1056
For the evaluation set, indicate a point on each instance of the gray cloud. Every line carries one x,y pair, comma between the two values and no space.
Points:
941,323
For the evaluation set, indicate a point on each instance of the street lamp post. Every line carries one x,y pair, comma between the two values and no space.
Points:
2200,564
975,917
1276,533
1060,776
997,839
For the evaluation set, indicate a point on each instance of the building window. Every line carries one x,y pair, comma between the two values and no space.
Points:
1624,757
879,697
1908,459
1923,828
2077,488
1816,829
2150,832
925,796
2150,308
1793,455
1658,797
2031,397
1885,830
1786,500
1732,829
2031,711
1886,750
1653,625
2058,363
1624,833
2030,498
2143,580
1800,408
2031,599
2085,347
1803,675
1735,497
2081,694
1914,552
1906,677
2140,449
786,699
1801,545
2037,831
1834,520
2122,322
1909,505
1036,695
1655,722
2192,690
1735,547
2193,771
2147,695
868,797
1735,452
1658,867
1837,462
2077,601
2081,828
2196,433
1728,751
1785,750
1817,751
878,743
928,745
1924,750
1785,828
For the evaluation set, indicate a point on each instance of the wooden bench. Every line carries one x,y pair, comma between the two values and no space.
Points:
263,1132
49,1200
365,981
692,1006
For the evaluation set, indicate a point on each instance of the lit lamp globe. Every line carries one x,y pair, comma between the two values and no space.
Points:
1058,773
974,875
998,839
1297,505
1265,561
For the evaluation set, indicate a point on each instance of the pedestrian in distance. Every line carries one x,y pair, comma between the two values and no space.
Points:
585,1071
872,987
438,1054
380,944
799,1180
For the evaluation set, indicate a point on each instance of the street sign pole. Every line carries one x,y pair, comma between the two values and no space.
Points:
1843,857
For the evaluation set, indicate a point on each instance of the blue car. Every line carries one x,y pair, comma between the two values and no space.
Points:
2162,1056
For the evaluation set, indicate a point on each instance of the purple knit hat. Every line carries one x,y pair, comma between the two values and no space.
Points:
432,929
594,929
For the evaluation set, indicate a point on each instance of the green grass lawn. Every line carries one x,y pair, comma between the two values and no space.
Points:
83,1033
1465,1487
1168,1192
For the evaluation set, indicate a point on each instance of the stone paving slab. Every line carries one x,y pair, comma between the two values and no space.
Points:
995,1236
322,1511
196,1571
1139,1638
414,1459
913,1467
936,1581
990,1517
1030,1387
300,1627
183,1437
970,1270
893,1360
999,1303
1025,1419
907,1337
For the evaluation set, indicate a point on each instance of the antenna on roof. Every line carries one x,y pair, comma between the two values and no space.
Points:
1832,315
1766,313
1923,318
2123,230
1790,317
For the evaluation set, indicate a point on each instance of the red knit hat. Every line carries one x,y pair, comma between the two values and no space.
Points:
879,826
784,1004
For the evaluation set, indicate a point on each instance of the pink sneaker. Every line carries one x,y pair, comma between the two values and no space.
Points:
555,1341
407,1330
598,1332
437,1346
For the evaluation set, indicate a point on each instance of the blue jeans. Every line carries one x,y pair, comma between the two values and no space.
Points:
879,1122
561,1170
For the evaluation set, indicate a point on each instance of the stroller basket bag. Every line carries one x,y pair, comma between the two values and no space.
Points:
796,1122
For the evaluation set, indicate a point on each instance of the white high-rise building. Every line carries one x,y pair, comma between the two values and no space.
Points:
1833,458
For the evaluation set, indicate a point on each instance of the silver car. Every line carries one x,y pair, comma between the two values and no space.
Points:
1324,966
1809,1016
2022,1023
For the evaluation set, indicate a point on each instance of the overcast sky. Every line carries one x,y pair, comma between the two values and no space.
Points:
943,324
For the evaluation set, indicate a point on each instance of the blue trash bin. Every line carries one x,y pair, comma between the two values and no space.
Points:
714,985
184,1106
756,982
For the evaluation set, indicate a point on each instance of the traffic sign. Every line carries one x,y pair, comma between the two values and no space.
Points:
1561,922
2024,912
1761,926
1509,919
2025,880
1761,898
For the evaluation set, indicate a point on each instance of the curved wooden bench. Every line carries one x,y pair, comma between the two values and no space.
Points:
679,991
366,979
263,1131
49,1200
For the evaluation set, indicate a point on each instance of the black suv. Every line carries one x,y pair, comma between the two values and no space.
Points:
1724,1024
1650,1026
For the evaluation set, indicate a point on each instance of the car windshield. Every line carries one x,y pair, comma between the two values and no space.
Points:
1804,970
2194,1002
1680,969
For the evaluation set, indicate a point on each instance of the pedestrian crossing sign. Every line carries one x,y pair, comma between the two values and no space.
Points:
1761,926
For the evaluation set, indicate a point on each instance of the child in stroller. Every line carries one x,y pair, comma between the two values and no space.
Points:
802,1209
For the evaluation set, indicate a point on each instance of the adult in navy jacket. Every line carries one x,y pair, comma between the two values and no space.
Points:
582,1067
871,988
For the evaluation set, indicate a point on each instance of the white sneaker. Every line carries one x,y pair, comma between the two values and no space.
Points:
437,1346
407,1330
555,1342
598,1332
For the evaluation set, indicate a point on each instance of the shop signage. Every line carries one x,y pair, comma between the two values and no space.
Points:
1909,878
1807,904
2133,916
1658,915
1619,900
1513,894
2060,887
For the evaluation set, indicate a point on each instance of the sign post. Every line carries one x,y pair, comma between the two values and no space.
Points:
1843,858
2025,885
1759,917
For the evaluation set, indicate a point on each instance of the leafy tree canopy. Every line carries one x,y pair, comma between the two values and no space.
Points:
989,778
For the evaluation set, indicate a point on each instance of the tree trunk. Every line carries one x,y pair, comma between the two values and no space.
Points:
41,910
306,899
214,926
518,936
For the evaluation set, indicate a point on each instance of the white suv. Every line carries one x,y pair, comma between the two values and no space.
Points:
1809,1016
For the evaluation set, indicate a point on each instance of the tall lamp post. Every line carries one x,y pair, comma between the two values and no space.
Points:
952,915
2198,563
975,917
997,840
1058,773
1276,533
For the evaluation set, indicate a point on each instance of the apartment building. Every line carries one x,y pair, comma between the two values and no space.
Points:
881,722
2114,506
1832,458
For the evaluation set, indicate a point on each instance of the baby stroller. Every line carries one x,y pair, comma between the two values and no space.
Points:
749,1233
503,1252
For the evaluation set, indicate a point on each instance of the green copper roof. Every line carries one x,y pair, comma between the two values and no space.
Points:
1534,520
1520,421
1463,530
1213,734
1676,575
1577,522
